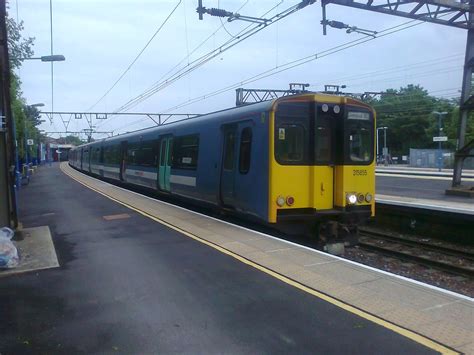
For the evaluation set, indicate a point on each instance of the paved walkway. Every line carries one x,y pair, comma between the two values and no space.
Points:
442,316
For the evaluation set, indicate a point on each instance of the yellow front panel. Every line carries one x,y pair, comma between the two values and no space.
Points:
319,187
354,179
310,186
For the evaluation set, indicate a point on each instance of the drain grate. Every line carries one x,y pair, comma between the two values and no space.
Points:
116,216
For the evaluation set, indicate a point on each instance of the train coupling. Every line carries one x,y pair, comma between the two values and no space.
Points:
335,236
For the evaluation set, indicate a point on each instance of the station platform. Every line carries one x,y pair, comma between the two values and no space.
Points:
138,275
409,170
421,189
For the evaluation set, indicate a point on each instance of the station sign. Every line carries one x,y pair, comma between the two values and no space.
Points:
440,139
30,142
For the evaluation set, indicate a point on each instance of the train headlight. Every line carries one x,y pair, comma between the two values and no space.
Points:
351,198
336,109
368,197
290,200
280,201
360,198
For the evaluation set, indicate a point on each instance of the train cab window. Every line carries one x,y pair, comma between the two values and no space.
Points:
359,138
245,150
229,151
290,144
323,141
292,135
185,152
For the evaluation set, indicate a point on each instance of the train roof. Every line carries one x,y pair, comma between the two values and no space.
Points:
246,109
241,110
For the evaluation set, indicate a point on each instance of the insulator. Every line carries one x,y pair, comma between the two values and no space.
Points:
218,12
337,24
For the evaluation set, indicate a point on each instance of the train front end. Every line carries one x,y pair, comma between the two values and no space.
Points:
322,166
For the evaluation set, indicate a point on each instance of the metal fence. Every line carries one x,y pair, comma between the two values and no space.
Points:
428,158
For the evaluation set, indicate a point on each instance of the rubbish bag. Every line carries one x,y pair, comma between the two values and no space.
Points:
8,252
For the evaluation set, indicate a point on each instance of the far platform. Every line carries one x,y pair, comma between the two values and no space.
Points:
421,188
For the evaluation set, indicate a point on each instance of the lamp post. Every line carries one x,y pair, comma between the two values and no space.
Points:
440,130
26,138
384,142
48,58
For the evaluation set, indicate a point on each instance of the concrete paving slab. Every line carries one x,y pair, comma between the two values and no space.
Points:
448,331
239,248
467,348
268,245
377,304
399,292
344,273
303,257
454,311
36,250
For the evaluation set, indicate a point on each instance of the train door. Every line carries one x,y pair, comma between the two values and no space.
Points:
81,155
246,180
324,159
228,166
164,163
101,160
123,160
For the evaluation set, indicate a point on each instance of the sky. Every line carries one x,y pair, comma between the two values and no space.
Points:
101,38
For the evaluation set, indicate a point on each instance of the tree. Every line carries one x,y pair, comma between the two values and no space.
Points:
408,114
18,47
72,140
26,118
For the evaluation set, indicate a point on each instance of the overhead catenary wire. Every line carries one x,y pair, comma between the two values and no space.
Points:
297,62
207,57
186,58
302,61
136,57
384,71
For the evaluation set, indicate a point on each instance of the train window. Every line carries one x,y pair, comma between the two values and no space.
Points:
292,133
111,154
290,144
245,150
229,151
185,152
95,155
360,144
359,138
323,140
133,152
146,156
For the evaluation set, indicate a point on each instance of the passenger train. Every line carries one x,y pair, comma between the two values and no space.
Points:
302,160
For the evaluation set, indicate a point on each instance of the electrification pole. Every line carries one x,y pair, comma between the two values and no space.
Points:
466,103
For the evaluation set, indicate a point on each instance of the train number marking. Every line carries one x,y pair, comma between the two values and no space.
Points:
359,172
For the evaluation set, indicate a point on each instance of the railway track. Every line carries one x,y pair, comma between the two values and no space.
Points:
441,257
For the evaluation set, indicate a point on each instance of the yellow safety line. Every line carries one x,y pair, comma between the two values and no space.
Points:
352,309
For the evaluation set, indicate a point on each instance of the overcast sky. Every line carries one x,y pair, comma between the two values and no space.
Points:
101,38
